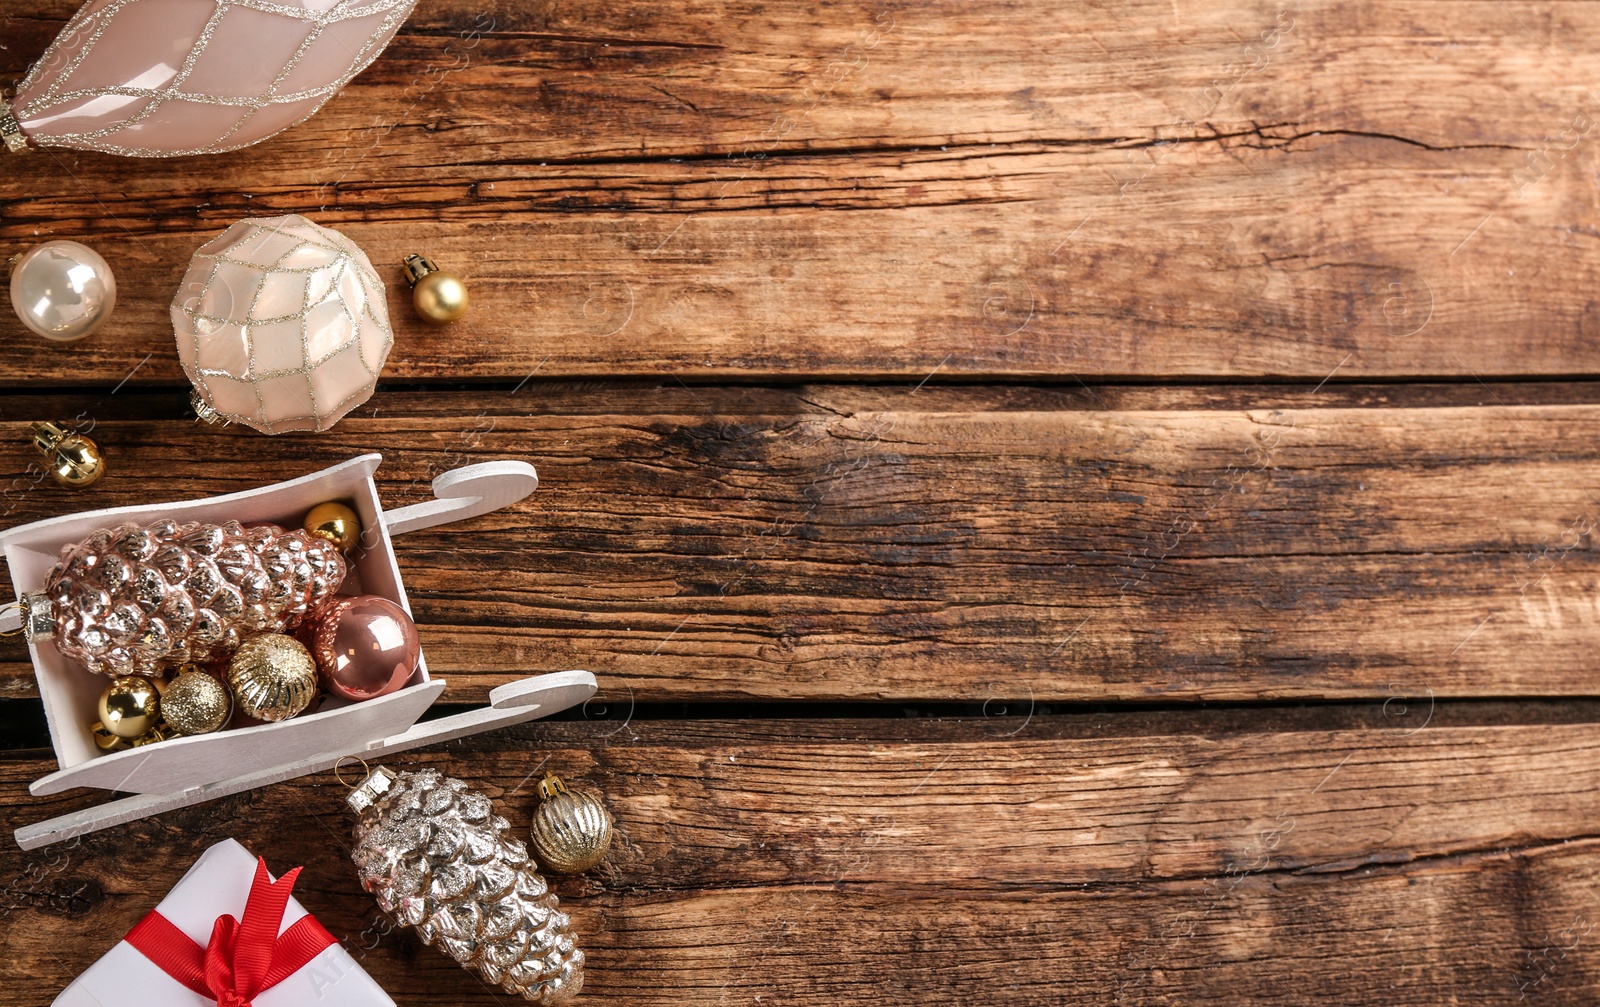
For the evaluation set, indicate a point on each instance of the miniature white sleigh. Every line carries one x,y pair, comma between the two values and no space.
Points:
184,771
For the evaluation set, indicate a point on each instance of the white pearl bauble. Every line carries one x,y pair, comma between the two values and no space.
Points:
62,290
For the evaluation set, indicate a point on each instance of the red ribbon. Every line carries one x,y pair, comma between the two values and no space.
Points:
244,957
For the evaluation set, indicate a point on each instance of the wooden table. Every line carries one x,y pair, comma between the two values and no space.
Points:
1067,504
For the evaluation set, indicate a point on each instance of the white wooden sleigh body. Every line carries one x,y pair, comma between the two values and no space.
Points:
186,771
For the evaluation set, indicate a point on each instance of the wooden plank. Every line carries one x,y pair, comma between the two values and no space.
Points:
833,543
920,861
1275,942
738,190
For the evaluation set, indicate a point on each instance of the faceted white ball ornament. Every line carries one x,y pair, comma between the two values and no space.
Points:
281,325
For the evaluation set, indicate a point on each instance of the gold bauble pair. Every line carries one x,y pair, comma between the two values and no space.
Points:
137,711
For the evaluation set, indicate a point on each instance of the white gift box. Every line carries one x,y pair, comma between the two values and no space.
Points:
218,884
185,771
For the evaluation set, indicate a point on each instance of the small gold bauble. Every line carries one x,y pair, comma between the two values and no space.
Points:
196,703
74,460
108,742
336,523
571,831
129,706
272,677
105,740
438,296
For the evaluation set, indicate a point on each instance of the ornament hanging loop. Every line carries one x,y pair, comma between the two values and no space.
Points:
7,610
339,775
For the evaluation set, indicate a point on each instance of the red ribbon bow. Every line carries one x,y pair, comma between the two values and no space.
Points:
244,957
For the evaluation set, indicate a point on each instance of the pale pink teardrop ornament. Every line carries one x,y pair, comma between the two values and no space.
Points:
281,325
163,78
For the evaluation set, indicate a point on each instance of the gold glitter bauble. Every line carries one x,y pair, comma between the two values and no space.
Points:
272,677
336,523
129,706
196,703
571,831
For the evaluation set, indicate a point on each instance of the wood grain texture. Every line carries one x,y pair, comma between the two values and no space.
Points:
863,861
1005,359
830,542
742,190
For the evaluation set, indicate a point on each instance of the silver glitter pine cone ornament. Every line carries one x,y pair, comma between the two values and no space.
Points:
139,599
571,829
436,857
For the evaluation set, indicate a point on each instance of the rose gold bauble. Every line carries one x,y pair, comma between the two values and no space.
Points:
365,646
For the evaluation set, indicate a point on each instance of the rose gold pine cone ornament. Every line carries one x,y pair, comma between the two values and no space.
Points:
136,600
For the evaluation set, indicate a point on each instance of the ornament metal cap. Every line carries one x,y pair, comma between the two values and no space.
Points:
551,785
416,267
205,412
158,733
11,131
38,616
105,740
371,790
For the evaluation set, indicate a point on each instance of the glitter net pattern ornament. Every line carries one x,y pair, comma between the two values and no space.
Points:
136,600
281,325
437,858
165,78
